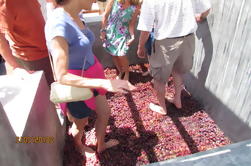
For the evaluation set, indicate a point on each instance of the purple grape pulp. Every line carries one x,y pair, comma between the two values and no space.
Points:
145,136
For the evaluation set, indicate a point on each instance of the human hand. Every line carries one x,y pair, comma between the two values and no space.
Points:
199,18
121,86
202,16
129,42
141,52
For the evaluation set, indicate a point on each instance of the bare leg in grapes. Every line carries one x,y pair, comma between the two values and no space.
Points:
103,113
77,131
160,90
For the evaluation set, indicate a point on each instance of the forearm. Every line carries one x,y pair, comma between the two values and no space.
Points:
6,53
106,14
133,22
143,38
78,81
131,31
104,22
52,3
205,14
200,17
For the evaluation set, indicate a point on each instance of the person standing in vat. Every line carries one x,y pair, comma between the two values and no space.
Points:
70,43
174,23
117,32
22,38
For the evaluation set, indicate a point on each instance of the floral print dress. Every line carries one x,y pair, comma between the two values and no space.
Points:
117,30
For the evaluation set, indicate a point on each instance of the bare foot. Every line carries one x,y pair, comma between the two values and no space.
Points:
146,73
72,130
176,102
169,99
111,143
69,131
157,109
86,151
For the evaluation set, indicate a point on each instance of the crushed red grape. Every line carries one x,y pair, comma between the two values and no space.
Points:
145,136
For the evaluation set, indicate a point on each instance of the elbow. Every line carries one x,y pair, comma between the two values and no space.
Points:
105,16
61,78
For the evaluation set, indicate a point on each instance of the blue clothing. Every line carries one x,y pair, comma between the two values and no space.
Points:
79,109
149,43
80,42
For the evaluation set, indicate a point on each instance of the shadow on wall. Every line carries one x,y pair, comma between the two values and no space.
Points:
203,33
231,124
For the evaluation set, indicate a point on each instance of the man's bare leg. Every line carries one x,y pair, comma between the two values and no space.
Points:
160,91
178,84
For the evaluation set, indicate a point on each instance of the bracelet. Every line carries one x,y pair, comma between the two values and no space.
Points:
102,30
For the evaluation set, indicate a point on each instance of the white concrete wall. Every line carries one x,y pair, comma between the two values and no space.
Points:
25,111
221,75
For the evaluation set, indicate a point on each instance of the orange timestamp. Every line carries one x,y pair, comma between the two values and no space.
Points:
36,139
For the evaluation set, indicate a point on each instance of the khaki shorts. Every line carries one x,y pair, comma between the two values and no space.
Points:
171,54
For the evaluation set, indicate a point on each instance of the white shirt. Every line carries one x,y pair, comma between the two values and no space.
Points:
201,6
170,18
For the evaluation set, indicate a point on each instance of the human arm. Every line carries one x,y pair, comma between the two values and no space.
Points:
6,53
50,6
132,26
11,64
202,9
201,16
60,58
52,2
141,52
145,25
105,19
